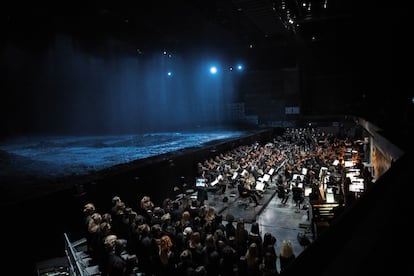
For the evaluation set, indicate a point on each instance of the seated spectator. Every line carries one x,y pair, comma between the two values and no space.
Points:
185,266
229,228
119,262
165,263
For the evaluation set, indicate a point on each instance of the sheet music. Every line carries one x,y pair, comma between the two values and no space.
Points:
304,171
293,184
214,182
235,174
265,178
356,187
349,164
330,198
260,186
301,176
218,178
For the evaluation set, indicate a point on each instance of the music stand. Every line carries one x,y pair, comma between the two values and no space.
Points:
260,186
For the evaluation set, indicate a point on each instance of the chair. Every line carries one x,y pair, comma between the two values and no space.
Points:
244,196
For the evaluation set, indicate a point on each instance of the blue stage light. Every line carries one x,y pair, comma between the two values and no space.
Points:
213,69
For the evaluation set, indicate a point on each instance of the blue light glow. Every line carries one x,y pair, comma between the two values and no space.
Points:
213,70
128,94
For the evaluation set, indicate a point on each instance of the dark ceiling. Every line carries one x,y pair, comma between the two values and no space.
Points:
362,44
234,26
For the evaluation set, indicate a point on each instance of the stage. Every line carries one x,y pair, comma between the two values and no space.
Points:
38,165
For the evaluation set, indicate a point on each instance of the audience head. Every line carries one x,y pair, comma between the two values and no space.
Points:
240,224
105,228
188,231
116,199
144,229
94,222
110,242
200,271
230,218
186,255
89,208
146,203
165,243
107,217
268,238
195,240
287,249
120,245
255,228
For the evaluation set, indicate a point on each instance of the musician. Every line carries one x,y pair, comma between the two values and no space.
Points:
249,183
249,179
283,192
315,195
223,183
228,175
298,195
244,189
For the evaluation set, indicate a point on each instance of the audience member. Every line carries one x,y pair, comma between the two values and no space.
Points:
286,256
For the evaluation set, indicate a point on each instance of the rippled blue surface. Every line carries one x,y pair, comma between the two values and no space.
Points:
69,155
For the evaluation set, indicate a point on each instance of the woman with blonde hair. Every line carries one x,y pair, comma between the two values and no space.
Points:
209,220
286,256
185,219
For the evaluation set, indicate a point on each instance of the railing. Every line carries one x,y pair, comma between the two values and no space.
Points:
74,266
78,260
